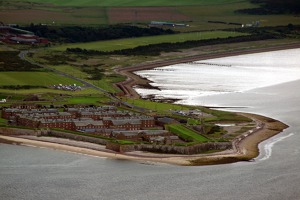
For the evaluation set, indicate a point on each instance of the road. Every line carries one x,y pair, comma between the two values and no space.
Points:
23,56
24,53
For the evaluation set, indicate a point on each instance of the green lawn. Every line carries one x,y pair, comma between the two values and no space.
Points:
39,79
109,3
105,83
34,78
87,91
155,106
186,133
83,100
142,41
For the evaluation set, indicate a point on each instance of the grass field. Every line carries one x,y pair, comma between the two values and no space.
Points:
134,42
186,133
25,12
196,13
155,106
39,79
109,3
104,83
87,91
84,100
34,78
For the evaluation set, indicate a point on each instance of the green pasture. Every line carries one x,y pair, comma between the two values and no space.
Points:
225,116
155,106
84,100
86,91
105,83
40,79
119,44
186,133
110,3
95,12
26,12
200,16
34,78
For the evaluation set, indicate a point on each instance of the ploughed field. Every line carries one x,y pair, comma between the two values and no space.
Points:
109,3
197,13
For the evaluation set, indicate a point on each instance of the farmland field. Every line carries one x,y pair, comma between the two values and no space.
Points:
109,3
112,45
26,13
196,13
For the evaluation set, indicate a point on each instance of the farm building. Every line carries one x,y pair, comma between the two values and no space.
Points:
166,24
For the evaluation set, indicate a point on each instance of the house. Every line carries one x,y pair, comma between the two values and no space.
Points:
83,125
125,135
128,124
166,120
66,124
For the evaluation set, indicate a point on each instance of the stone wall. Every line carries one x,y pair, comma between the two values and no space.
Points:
188,150
195,149
121,148
18,131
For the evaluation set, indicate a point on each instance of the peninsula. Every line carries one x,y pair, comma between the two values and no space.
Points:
67,77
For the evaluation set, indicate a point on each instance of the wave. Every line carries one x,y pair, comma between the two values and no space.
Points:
268,147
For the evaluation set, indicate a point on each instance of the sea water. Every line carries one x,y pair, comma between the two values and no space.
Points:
38,173
188,81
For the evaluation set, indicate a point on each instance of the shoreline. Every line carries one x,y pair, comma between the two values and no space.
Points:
135,80
246,149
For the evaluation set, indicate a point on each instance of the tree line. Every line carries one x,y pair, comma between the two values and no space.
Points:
73,34
273,7
21,87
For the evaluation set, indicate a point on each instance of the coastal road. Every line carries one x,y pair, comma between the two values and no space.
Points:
23,56
24,53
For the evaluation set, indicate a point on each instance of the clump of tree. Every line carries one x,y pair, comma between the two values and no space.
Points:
73,34
94,73
273,7
10,61
20,87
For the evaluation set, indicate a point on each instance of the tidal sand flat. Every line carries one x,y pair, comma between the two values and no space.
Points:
188,81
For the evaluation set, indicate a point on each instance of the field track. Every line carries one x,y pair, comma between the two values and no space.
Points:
132,80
